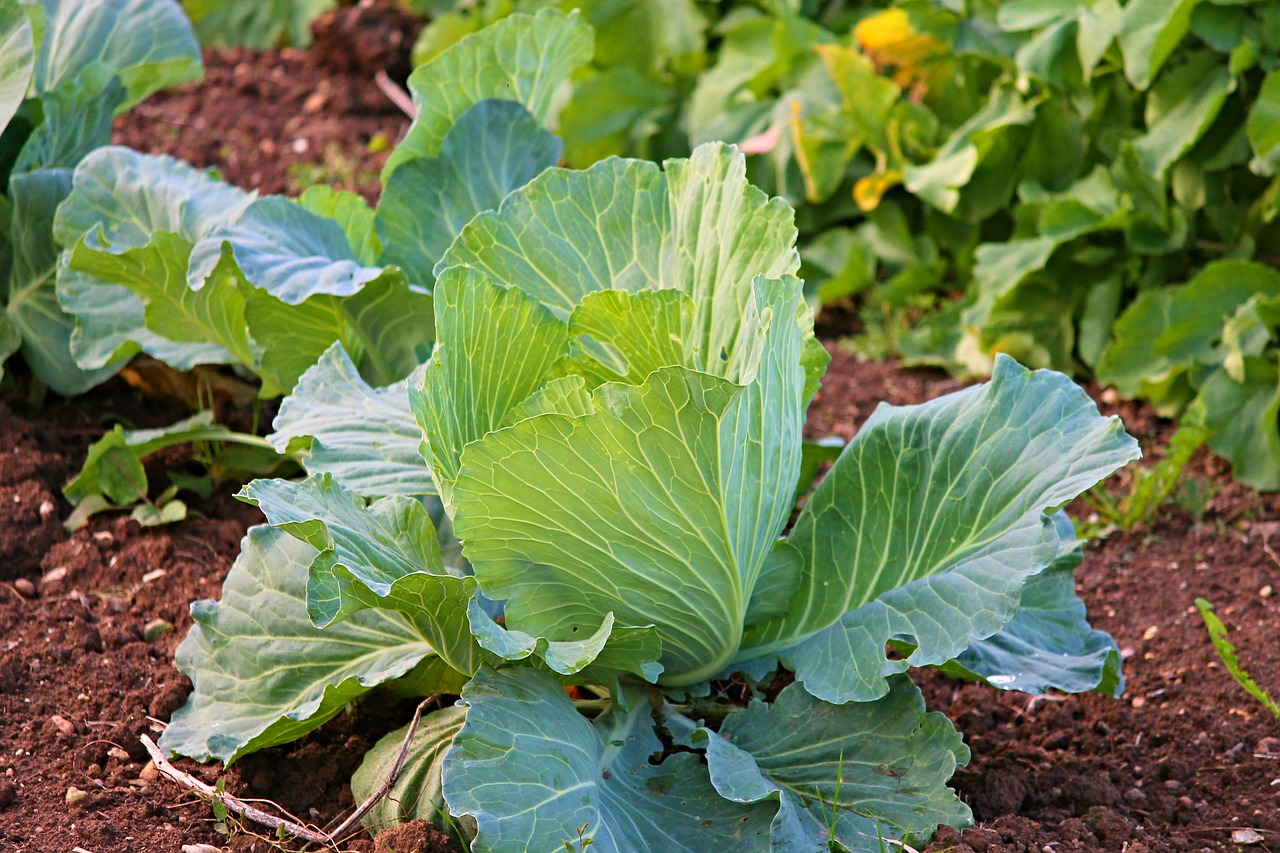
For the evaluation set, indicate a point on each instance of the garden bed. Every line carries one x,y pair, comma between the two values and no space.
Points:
1181,762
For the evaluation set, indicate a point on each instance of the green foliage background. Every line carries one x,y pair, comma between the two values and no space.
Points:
984,177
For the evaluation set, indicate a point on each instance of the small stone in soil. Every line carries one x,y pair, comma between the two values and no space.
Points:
64,727
25,588
76,796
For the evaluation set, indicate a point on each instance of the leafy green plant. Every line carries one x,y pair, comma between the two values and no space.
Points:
1211,348
256,24
610,439
113,476
630,98
170,261
1150,486
1026,177
67,68
1226,651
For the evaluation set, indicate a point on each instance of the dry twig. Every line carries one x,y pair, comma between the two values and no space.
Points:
397,96
388,783
233,804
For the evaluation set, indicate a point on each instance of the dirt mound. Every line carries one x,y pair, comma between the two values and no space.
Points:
365,39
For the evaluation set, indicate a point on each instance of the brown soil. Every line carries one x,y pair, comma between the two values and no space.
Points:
276,122
1182,761
365,39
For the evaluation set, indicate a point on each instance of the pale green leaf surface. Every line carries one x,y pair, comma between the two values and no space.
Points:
564,395
869,770
185,327
32,298
17,59
382,554
532,771
1049,643
522,58
609,650
563,557
388,327
1242,418
930,523
686,469
77,119
130,196
569,233
699,227
620,336
1099,23
366,438
121,203
1170,328
1180,108
350,211
1149,32
262,673
256,24
1263,127
495,147
148,43
482,368
286,250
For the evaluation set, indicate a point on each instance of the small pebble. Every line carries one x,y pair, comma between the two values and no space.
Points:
1151,632
149,773
1267,591
155,629
47,509
153,575
118,753
54,575
104,537
25,588
1246,836
200,848
75,795
65,728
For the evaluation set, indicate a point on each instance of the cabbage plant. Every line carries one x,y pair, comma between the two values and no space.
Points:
592,484
67,69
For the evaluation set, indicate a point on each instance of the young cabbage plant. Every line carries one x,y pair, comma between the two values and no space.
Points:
610,430
168,260
67,69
